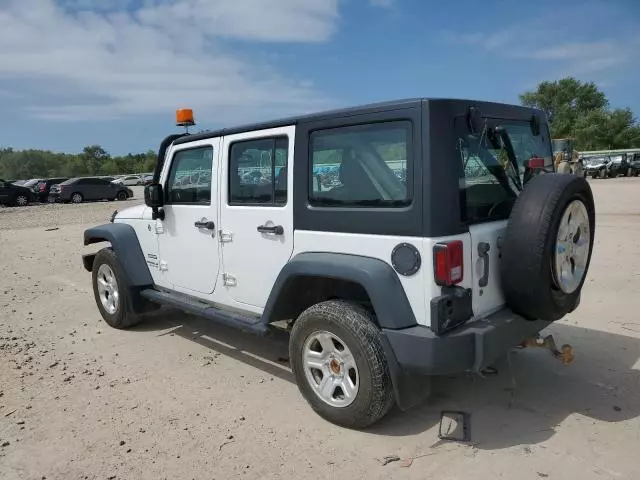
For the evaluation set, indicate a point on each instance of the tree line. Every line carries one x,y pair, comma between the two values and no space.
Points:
93,160
574,109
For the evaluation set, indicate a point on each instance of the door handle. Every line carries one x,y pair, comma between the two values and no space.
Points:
483,253
276,229
205,224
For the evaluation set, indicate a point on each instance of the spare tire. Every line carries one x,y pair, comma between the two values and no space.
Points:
547,246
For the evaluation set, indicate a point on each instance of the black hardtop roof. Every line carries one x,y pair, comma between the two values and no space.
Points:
494,107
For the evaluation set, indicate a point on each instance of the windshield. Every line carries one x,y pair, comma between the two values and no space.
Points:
495,166
597,160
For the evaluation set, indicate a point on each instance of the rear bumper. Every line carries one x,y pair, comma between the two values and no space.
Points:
471,347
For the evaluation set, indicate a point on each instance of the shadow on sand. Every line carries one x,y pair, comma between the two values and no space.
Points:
523,404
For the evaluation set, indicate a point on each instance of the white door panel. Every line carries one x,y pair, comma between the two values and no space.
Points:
252,259
486,241
189,254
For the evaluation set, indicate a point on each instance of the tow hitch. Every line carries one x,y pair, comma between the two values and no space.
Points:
565,354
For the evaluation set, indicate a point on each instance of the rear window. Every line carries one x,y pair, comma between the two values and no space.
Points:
494,166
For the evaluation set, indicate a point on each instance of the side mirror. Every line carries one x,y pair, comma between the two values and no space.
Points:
154,198
153,195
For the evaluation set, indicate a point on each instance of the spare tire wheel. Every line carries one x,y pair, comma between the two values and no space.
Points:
547,246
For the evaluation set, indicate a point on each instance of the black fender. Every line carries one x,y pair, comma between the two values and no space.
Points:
388,299
379,280
125,244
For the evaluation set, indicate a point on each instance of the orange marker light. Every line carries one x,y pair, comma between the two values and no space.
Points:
184,117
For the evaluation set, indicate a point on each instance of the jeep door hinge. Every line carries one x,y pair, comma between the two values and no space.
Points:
229,280
225,236
163,266
159,227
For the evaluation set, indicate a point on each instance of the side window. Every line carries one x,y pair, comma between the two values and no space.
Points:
366,165
190,177
83,181
258,172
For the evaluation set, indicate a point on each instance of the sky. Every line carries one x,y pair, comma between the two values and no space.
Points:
113,72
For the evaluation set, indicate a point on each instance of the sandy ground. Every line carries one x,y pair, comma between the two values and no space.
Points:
180,398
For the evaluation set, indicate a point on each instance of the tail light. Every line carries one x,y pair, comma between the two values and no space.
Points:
448,268
535,163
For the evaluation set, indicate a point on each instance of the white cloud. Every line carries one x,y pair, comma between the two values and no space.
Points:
541,45
115,60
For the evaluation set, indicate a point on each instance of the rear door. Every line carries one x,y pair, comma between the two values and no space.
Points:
256,211
490,187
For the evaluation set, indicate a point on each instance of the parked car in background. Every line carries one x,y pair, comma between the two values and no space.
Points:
84,189
146,179
31,183
42,188
14,195
128,180
619,166
597,167
634,164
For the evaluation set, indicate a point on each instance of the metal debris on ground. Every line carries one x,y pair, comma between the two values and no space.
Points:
455,426
388,459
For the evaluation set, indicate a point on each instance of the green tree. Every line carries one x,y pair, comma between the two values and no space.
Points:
94,156
580,110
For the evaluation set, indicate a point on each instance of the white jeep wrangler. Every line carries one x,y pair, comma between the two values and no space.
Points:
394,241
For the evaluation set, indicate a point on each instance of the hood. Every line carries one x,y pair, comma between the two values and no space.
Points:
595,165
133,213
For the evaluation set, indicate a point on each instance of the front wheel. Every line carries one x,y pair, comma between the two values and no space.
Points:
122,195
109,289
339,364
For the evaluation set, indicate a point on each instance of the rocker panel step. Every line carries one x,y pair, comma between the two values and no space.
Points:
201,309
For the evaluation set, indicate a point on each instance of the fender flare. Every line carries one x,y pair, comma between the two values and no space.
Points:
125,244
379,280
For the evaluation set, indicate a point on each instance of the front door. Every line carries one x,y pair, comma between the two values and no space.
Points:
187,238
256,212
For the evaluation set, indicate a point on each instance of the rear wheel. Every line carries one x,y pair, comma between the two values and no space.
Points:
76,198
339,364
548,245
21,200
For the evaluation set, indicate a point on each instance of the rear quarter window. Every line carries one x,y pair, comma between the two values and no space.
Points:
361,166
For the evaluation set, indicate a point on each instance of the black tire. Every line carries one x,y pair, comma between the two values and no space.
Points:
120,318
528,277
122,196
76,197
356,328
21,200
